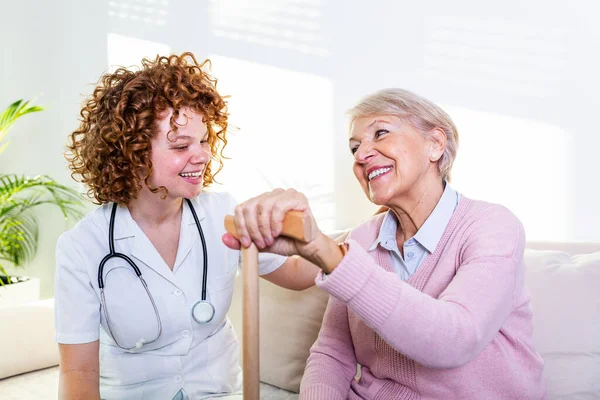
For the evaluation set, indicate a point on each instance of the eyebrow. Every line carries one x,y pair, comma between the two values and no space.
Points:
187,137
377,121
380,121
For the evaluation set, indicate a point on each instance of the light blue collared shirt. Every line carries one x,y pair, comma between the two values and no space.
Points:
423,242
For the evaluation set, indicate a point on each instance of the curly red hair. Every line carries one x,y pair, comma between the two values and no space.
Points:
112,144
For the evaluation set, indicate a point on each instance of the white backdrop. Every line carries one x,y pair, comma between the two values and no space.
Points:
519,78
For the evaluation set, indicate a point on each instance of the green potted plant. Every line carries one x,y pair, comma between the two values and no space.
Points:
19,197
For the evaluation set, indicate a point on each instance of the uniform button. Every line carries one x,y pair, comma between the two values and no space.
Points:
185,333
177,292
410,254
410,242
177,378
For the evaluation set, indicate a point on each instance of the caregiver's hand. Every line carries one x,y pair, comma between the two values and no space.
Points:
260,221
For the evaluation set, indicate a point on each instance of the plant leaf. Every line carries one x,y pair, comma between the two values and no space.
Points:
3,271
19,195
11,114
18,236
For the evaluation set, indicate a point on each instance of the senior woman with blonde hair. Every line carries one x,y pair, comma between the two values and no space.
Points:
427,297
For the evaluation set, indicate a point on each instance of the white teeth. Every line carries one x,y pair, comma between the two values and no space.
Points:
191,174
378,172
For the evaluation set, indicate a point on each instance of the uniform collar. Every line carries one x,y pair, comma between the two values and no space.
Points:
141,247
126,227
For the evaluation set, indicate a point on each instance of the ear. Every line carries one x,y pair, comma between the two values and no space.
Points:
437,138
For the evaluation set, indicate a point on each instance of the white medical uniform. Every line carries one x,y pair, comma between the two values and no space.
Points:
201,359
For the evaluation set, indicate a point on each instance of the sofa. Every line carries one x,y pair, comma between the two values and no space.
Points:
564,283
563,279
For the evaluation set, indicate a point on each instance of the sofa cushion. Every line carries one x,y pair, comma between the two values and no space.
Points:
289,325
288,339
565,296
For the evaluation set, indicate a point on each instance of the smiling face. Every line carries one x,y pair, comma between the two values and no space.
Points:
179,158
392,160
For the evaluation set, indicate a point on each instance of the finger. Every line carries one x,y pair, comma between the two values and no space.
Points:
277,215
251,219
264,220
268,223
289,200
230,241
240,225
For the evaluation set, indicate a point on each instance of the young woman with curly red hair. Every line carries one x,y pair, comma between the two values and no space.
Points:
143,283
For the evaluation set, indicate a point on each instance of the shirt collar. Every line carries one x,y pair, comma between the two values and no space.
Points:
431,231
387,231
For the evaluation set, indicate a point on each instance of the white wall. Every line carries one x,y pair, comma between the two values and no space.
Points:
51,52
519,78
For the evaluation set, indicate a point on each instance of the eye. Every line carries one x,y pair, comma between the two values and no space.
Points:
380,132
353,149
181,148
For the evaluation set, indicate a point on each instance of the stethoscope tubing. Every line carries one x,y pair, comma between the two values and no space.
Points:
114,254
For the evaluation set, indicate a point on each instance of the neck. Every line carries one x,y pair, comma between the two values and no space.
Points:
413,208
150,209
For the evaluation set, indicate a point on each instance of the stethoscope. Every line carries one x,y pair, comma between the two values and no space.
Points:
202,311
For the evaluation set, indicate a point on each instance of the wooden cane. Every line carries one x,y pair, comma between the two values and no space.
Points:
295,225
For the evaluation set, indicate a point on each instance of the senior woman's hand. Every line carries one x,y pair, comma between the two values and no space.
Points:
260,221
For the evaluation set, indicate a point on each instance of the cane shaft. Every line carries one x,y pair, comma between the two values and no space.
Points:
297,225
250,323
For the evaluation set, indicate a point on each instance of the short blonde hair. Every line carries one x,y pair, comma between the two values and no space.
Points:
415,110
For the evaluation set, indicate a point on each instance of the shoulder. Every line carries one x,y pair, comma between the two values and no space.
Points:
90,227
83,245
212,207
216,201
490,215
490,229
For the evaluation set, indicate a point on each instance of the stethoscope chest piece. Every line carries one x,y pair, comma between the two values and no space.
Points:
203,312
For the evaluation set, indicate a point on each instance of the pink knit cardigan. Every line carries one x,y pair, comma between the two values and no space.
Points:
459,328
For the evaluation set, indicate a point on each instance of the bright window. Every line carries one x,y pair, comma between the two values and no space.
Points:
285,135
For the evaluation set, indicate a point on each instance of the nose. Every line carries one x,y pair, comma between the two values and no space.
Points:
201,154
364,152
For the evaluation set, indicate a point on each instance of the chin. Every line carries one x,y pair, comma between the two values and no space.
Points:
195,193
185,194
380,199
377,201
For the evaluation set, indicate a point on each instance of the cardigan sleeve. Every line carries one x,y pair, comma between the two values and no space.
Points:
331,365
452,329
